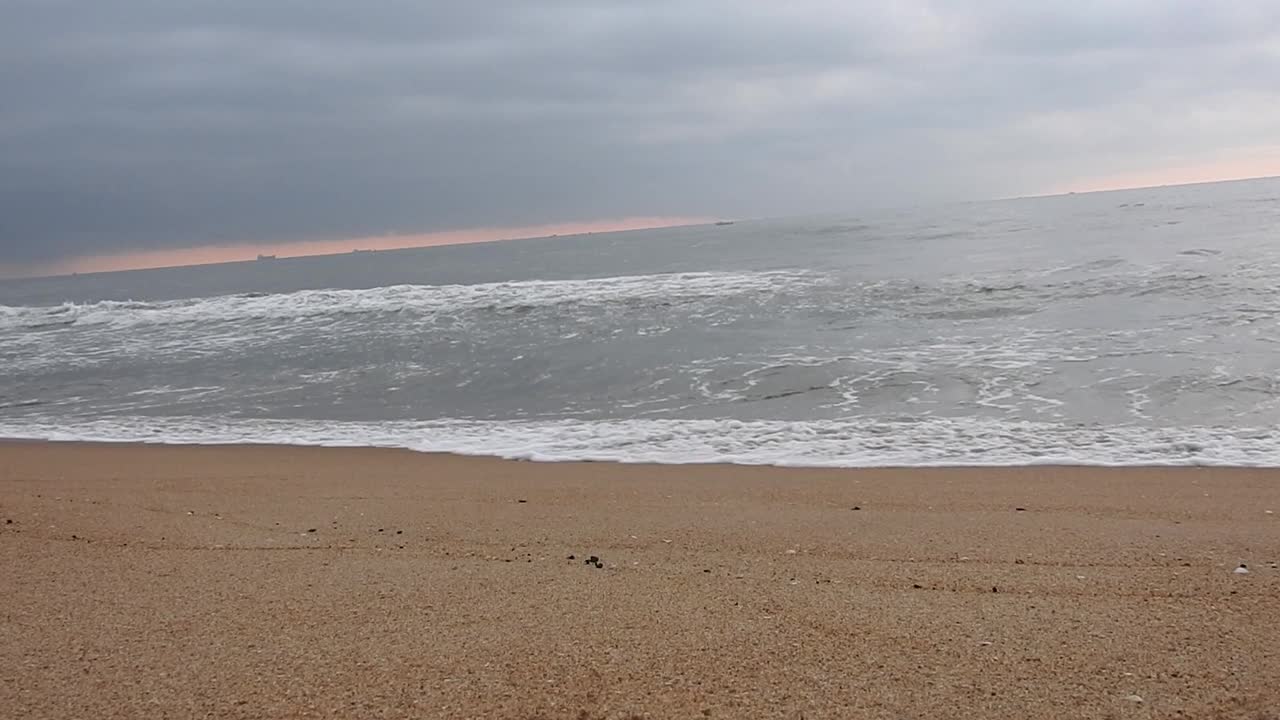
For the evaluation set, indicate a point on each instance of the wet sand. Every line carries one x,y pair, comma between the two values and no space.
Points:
300,582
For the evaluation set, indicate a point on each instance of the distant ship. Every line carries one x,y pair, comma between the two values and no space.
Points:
266,257
725,222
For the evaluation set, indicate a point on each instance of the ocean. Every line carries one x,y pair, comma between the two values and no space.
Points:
1122,328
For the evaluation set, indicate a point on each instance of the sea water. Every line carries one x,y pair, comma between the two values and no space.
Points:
1135,327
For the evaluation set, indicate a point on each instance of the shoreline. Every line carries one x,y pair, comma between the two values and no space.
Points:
546,460
258,580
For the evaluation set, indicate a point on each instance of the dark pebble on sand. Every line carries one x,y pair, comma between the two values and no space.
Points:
857,507
8,521
381,530
311,530
73,537
1019,561
918,586
599,565
995,589
522,501
1020,509
706,571
399,532
593,559
573,557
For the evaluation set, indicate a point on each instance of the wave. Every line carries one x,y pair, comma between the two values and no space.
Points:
419,299
833,443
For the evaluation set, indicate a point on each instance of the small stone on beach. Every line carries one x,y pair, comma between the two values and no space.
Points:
1134,698
1242,570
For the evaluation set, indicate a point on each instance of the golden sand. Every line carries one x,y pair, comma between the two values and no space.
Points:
253,582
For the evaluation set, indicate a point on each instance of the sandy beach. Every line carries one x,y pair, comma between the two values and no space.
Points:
150,581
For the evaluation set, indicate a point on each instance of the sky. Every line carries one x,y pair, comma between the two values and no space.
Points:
163,131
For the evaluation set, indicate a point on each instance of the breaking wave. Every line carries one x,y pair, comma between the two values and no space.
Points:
402,299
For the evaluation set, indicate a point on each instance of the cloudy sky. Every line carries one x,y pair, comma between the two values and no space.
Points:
145,126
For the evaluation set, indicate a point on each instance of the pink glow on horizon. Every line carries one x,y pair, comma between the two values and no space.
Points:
143,259
1258,163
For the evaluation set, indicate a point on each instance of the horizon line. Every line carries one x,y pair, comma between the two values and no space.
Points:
242,252
1125,188
223,254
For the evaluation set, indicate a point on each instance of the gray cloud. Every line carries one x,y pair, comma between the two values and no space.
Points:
139,124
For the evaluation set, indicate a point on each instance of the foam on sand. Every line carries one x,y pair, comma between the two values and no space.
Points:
835,443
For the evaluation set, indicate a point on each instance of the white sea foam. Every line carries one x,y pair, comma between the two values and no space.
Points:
422,299
836,443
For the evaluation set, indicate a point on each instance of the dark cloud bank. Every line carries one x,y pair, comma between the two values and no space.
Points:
164,123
